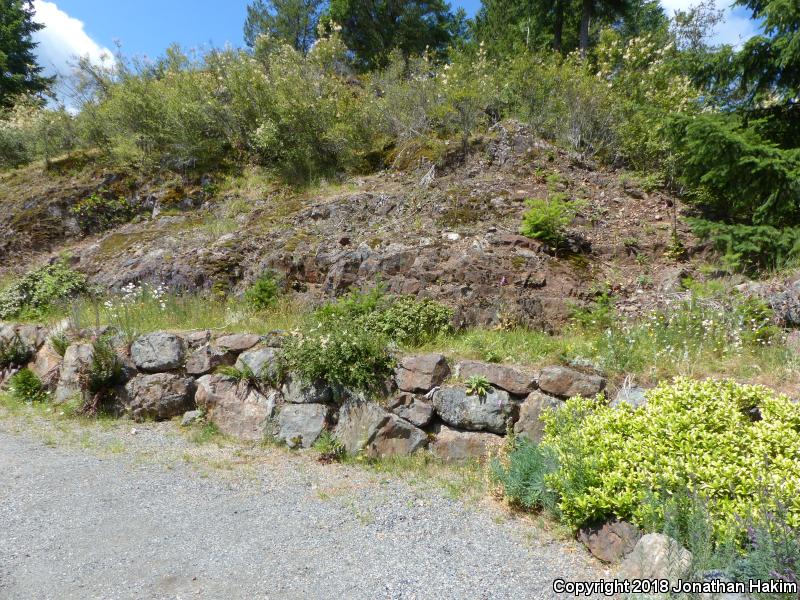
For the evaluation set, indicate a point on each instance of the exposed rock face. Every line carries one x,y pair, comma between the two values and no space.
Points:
490,412
656,556
529,424
158,396
74,368
566,382
632,396
302,424
190,417
236,409
611,541
296,391
413,409
207,359
421,373
158,352
368,428
514,381
238,342
31,336
261,361
455,446
786,304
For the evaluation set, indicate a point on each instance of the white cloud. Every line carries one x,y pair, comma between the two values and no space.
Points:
63,40
735,29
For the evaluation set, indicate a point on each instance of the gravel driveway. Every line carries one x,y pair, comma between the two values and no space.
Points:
77,522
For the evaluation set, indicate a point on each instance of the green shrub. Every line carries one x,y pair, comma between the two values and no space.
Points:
59,342
25,386
97,213
38,290
329,448
264,292
546,220
700,436
105,370
340,352
13,352
750,248
411,321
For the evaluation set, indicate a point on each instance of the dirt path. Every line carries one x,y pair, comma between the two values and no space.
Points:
112,514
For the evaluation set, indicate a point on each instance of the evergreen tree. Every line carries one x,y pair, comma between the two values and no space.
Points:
19,72
291,21
373,28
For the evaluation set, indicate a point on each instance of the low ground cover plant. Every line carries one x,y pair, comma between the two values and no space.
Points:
714,464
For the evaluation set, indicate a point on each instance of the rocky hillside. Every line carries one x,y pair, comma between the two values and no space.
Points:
448,231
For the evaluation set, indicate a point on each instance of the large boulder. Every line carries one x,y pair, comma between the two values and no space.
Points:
207,359
158,396
612,541
656,556
514,381
529,424
566,382
421,373
74,370
396,437
47,366
158,352
489,412
456,446
358,423
368,428
32,337
263,362
235,408
302,424
297,391
414,409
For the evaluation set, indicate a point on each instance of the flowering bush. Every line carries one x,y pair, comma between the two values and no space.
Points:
39,289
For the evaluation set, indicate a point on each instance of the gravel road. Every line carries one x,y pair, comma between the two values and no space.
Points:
143,521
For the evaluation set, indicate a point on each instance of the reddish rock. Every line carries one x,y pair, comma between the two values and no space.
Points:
529,424
421,373
566,382
238,342
236,409
611,541
412,408
455,446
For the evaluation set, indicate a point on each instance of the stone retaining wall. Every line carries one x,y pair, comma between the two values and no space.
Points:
168,374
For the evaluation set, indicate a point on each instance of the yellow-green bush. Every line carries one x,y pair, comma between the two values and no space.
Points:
733,445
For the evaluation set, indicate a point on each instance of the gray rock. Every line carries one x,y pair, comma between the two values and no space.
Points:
412,408
656,556
158,396
74,369
529,424
611,541
566,382
421,373
196,339
263,362
158,352
302,424
190,417
358,423
235,408
457,446
238,342
396,437
207,359
33,337
490,412
510,379
296,391
633,396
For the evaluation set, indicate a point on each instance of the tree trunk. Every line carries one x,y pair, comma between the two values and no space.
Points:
558,25
586,16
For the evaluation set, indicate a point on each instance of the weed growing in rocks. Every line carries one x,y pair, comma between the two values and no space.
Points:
330,449
478,385
264,292
25,386
547,220
13,352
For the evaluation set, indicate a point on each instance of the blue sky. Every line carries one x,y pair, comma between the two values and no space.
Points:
147,27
